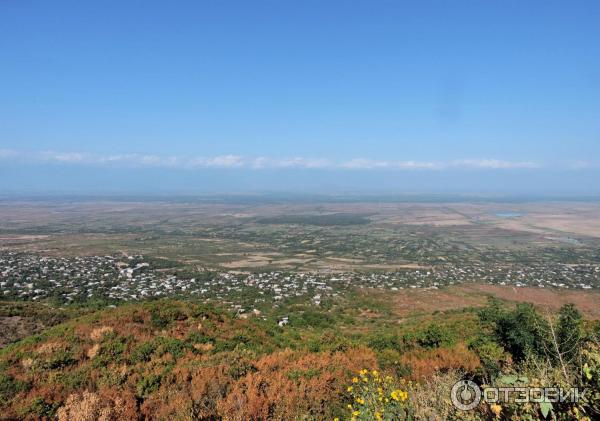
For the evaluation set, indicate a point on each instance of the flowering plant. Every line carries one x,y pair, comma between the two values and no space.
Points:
378,397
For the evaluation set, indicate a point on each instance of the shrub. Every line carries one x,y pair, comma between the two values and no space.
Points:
375,397
9,387
289,385
329,341
435,336
110,352
569,332
143,352
148,385
430,399
490,353
311,318
424,363
198,338
385,341
103,406
522,331
162,315
39,408
59,359
172,346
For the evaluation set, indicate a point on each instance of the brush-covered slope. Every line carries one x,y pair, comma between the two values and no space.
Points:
174,360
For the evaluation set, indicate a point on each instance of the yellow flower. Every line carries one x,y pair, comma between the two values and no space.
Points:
349,406
350,388
364,379
378,416
496,409
399,395
364,371
375,373
336,419
360,401
354,380
356,413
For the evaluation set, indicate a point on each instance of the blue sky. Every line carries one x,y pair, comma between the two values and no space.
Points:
258,95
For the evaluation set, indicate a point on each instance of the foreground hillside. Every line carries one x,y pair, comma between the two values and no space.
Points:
174,359
180,360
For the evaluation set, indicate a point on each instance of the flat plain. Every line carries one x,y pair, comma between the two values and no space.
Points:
301,236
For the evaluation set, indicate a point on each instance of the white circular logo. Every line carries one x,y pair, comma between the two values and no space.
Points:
465,395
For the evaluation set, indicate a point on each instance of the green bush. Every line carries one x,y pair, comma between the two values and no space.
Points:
385,341
9,387
490,353
143,352
435,336
173,346
74,379
148,385
39,408
330,341
569,332
60,359
521,331
111,351
198,338
162,315
311,318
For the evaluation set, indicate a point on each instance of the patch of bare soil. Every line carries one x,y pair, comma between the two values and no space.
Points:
588,302
414,301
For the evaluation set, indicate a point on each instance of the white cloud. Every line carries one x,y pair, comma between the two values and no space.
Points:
493,164
62,156
7,153
367,164
300,163
297,162
261,162
416,165
364,164
221,161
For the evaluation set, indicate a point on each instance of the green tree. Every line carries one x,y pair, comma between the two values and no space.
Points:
569,332
522,332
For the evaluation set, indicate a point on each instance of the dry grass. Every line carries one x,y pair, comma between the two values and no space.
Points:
407,302
99,332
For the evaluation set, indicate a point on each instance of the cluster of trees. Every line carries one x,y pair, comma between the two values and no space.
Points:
548,350
524,332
